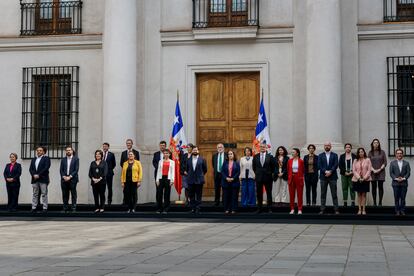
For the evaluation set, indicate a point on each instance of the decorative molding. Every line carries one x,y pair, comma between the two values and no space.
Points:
386,31
228,35
42,43
191,85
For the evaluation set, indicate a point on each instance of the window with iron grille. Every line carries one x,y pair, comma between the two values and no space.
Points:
50,112
225,13
398,10
50,17
401,104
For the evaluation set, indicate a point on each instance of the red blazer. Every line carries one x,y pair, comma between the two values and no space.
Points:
301,170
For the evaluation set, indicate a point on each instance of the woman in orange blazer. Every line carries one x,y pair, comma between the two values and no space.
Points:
295,169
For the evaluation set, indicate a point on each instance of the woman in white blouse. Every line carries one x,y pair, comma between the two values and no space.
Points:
248,195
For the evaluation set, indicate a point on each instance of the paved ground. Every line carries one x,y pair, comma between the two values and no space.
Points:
199,248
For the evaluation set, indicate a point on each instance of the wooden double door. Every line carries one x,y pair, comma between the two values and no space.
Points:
227,109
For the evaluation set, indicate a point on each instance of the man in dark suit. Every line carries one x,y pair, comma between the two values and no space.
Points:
124,157
217,162
197,168
400,171
155,160
69,168
263,167
109,158
39,170
158,156
328,164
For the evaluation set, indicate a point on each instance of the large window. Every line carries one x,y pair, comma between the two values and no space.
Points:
401,104
48,17
50,109
398,10
225,13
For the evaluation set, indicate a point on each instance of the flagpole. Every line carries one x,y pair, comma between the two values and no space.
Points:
179,201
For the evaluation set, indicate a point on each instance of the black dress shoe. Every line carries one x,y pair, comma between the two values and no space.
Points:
321,212
258,211
269,211
44,211
402,213
397,214
192,211
197,211
33,211
216,204
109,203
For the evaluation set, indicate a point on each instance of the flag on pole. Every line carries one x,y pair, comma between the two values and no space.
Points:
178,142
262,131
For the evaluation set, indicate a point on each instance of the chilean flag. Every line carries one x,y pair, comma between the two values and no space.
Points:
178,141
262,131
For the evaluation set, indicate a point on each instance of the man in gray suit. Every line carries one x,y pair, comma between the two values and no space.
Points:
400,172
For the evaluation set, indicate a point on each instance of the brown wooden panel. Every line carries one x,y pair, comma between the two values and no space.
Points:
211,95
243,134
212,135
245,98
227,108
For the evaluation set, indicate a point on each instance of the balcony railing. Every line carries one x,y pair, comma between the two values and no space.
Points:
225,13
398,10
50,17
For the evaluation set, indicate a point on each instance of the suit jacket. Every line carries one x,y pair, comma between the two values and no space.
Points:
42,170
124,156
300,173
264,173
284,168
196,176
183,162
332,166
315,163
15,173
342,161
214,161
235,174
73,170
395,172
110,162
155,160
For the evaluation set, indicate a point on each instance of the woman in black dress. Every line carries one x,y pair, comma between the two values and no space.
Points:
97,173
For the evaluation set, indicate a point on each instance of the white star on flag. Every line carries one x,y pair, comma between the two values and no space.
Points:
176,119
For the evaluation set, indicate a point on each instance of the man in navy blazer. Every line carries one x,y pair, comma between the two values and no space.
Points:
400,171
109,158
328,164
39,170
69,168
196,169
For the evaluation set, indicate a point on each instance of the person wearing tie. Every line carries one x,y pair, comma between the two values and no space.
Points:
248,194
400,171
12,173
328,164
110,160
39,170
217,162
124,157
263,167
197,168
155,160
69,168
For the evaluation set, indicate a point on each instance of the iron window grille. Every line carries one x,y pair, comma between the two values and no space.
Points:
50,17
398,10
225,13
50,110
401,104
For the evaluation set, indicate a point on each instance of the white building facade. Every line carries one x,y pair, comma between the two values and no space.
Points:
328,70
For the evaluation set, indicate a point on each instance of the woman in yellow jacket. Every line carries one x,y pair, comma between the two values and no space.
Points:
131,178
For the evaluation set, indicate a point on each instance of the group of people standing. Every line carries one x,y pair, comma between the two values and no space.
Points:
253,174
284,178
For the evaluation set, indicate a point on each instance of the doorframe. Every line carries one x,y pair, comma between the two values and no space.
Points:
191,86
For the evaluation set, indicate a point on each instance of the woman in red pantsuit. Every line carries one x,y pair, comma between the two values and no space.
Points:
296,171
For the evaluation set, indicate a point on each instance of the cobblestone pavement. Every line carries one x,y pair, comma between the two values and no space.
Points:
202,248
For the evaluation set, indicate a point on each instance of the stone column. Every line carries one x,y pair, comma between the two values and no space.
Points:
323,70
120,67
